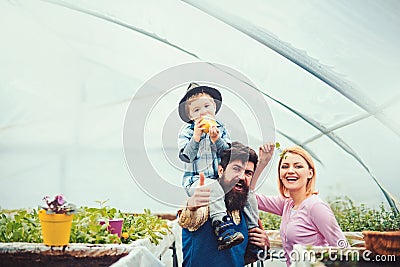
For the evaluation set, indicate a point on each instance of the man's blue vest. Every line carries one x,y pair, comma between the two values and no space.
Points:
200,248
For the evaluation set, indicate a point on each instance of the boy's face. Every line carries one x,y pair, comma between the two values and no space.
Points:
201,106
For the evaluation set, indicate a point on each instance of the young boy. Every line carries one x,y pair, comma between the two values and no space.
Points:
200,146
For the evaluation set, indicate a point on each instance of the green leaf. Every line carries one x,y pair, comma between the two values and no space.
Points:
277,145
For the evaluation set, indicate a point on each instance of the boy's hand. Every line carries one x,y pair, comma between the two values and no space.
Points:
198,129
214,134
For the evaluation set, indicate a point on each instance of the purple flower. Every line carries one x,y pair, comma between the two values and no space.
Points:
58,205
60,199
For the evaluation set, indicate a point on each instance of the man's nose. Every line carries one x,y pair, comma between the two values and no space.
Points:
241,175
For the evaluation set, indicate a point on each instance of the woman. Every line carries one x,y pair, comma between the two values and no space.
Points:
306,219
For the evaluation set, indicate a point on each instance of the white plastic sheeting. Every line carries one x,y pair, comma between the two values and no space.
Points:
140,256
69,69
145,253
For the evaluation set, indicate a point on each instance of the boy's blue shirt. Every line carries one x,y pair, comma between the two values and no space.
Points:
203,156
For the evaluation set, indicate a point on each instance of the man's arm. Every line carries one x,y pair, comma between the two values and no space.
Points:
196,212
258,237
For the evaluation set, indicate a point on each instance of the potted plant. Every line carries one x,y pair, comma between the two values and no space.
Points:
114,226
380,228
56,220
112,218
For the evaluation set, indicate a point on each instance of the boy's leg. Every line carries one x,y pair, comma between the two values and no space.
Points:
217,200
251,210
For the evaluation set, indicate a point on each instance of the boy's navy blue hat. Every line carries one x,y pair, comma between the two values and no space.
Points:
193,89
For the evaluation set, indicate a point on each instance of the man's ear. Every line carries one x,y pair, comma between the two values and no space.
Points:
220,170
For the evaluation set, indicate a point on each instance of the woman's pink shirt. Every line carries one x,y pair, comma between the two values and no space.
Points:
313,223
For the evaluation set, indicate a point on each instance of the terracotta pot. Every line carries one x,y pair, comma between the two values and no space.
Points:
56,228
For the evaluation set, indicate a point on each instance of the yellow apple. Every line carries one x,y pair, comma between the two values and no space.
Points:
208,122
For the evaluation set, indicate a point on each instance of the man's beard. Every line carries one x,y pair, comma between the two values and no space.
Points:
236,200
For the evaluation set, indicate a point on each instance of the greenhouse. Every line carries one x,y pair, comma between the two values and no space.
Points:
90,93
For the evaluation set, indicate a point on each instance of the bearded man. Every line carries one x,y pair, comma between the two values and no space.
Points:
199,243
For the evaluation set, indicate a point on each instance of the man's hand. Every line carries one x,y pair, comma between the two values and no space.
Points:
214,134
201,196
196,212
259,238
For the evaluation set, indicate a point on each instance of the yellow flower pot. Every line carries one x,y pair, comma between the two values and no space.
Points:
56,228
